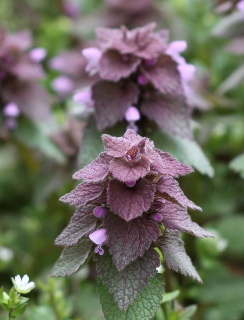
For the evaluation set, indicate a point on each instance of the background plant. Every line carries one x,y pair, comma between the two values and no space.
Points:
43,163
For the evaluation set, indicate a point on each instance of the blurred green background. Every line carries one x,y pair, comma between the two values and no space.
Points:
35,170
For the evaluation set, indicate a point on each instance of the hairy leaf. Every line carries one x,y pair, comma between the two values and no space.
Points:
71,259
176,217
164,163
129,240
115,146
144,306
112,100
184,150
165,77
175,256
130,203
126,285
171,187
83,193
125,171
83,222
96,171
170,114
113,66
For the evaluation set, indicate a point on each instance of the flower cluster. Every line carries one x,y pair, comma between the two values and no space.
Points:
139,68
71,65
20,71
127,204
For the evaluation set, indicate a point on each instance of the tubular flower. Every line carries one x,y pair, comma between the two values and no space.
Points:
139,68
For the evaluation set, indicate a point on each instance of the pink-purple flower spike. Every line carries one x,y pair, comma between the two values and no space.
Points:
139,68
131,192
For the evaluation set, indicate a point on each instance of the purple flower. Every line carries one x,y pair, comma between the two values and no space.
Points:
62,85
11,110
93,56
99,236
240,6
132,114
37,54
99,212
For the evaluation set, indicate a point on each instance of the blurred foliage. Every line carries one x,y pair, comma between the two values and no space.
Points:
35,172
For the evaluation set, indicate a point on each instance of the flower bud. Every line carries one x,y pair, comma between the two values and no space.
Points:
99,212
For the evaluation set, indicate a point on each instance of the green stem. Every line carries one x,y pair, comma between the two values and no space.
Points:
160,314
53,305
9,315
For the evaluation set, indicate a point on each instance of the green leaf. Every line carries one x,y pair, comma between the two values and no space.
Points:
232,229
175,256
91,144
14,298
237,165
230,26
18,310
125,285
36,137
71,259
169,296
232,81
188,312
144,306
184,150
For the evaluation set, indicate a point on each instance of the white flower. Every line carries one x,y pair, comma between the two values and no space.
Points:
23,285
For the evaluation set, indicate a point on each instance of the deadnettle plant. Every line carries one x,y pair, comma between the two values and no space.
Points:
138,68
20,71
129,209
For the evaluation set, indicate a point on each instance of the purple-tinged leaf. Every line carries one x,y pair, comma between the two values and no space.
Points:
83,193
164,163
126,285
113,66
96,171
175,256
168,185
31,98
20,41
144,306
140,42
125,171
82,223
130,203
132,136
27,70
176,217
165,77
115,146
129,240
184,150
169,113
112,100
71,259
